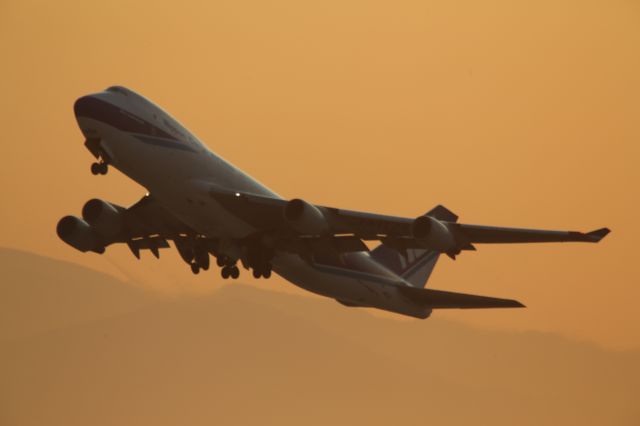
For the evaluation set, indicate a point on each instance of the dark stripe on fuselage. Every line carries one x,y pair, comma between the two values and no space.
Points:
98,109
165,143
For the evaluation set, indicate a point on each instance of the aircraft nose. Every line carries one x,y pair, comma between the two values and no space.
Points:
87,106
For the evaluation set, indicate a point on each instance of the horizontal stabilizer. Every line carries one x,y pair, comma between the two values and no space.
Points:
438,299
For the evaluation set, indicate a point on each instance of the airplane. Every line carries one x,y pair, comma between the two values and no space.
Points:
212,210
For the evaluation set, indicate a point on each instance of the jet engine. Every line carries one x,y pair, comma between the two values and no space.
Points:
104,218
79,234
305,218
433,234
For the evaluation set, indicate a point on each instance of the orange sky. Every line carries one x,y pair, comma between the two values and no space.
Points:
509,114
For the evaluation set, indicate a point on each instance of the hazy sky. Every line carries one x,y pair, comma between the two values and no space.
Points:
509,113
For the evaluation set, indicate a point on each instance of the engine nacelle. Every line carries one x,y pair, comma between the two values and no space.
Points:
433,234
79,234
305,218
103,217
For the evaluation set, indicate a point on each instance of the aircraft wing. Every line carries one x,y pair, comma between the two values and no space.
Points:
491,234
146,225
268,214
438,299
148,217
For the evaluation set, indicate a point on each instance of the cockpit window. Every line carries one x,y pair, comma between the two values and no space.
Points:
118,89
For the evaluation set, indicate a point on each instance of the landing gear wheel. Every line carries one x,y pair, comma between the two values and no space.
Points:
195,268
262,271
235,272
225,272
99,168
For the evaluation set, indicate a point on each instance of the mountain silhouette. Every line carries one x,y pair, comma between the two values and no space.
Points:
39,294
79,347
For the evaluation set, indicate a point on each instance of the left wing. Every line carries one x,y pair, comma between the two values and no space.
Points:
436,230
268,214
491,234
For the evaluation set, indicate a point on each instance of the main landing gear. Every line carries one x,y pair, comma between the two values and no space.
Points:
230,272
229,268
262,271
259,260
197,257
196,267
100,168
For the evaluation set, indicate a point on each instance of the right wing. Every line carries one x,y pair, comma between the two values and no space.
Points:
148,225
144,226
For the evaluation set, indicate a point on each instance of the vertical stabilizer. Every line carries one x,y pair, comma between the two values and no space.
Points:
414,265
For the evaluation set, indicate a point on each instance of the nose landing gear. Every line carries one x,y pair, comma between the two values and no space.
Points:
99,168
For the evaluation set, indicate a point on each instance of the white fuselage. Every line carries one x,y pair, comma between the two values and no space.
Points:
152,148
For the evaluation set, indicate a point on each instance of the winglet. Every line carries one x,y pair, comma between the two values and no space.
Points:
598,234
516,304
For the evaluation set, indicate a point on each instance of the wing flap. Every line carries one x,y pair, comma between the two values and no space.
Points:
147,217
439,299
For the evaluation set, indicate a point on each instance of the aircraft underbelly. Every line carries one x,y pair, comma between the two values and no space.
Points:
174,179
361,292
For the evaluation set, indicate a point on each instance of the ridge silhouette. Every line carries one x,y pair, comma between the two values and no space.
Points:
118,355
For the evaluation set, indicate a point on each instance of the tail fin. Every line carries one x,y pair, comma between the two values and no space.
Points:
413,265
